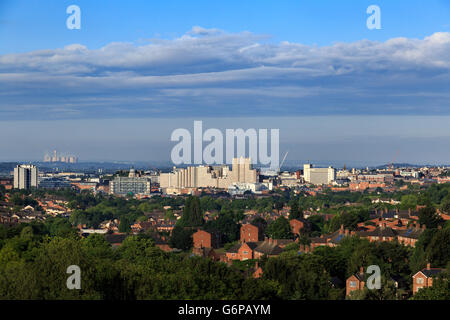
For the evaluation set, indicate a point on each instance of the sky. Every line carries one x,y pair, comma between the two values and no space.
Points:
136,70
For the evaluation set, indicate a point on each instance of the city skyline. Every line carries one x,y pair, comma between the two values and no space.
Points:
405,140
335,89
224,156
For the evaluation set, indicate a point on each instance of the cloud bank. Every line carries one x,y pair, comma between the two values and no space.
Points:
211,73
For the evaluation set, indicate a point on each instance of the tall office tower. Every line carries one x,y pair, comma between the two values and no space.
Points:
25,177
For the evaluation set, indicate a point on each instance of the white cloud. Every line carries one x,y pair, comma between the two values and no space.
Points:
229,74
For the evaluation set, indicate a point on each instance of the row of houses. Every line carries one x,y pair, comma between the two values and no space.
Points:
421,279
381,232
252,245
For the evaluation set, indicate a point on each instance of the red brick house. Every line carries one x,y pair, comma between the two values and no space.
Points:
258,271
251,233
381,233
296,226
254,250
232,253
424,278
246,250
206,253
204,239
410,236
331,240
355,282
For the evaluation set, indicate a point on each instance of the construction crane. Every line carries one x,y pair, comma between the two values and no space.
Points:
282,161
391,166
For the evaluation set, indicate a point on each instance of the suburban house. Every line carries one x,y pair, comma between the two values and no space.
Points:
204,239
410,236
331,240
424,278
207,253
297,225
254,250
381,233
355,282
251,233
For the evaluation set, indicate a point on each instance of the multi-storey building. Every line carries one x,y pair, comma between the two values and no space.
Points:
318,175
210,176
25,177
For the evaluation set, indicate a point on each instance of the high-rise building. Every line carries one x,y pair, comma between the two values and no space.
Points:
210,176
25,177
318,175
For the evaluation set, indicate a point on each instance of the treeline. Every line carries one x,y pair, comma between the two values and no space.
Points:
34,259
33,265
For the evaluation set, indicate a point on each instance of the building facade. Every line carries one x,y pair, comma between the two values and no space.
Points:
25,177
220,177
318,175
130,185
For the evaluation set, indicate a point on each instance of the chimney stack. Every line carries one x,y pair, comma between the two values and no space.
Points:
428,266
361,270
341,231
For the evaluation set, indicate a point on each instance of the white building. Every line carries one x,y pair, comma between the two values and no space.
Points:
240,187
25,177
318,175
210,176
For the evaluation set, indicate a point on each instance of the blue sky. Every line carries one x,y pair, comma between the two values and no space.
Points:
27,25
310,60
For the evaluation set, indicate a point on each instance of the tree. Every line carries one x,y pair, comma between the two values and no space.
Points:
445,205
279,229
295,212
278,205
418,259
438,251
124,225
192,213
409,201
226,225
429,217
439,291
300,277
181,238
